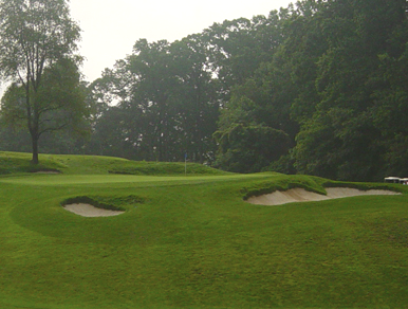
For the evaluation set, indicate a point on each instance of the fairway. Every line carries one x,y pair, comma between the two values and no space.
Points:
53,180
194,242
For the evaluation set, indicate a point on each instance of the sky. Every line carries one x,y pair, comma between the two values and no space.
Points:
110,28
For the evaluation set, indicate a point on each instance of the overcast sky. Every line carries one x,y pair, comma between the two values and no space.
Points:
111,27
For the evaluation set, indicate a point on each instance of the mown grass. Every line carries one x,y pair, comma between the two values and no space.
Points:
193,242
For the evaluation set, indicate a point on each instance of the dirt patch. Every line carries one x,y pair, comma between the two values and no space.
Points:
302,195
87,210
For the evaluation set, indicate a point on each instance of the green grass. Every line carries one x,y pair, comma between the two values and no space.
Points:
193,242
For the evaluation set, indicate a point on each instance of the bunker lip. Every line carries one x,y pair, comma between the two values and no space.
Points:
302,195
88,210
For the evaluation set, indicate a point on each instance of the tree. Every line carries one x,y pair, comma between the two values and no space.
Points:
38,39
60,98
259,103
196,100
167,102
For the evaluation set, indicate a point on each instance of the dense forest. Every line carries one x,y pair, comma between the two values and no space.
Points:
319,87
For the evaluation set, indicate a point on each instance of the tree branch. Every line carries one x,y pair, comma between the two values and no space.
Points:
52,129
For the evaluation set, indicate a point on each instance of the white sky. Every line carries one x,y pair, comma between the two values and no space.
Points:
111,27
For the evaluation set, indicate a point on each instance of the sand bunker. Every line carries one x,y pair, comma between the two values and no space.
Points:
302,195
87,210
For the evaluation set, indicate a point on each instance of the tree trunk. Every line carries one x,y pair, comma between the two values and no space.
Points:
35,149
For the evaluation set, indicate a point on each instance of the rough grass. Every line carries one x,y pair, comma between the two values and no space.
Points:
195,243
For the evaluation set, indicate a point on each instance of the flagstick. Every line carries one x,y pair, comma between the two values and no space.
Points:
185,166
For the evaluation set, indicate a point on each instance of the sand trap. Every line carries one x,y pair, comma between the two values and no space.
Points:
302,195
87,210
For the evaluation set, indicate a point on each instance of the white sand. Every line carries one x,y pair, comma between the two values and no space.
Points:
87,210
302,195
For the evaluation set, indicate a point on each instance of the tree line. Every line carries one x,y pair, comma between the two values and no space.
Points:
319,87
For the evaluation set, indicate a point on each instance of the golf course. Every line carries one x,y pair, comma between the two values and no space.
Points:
192,240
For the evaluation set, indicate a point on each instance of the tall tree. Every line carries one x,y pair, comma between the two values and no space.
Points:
167,102
35,35
259,105
151,67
